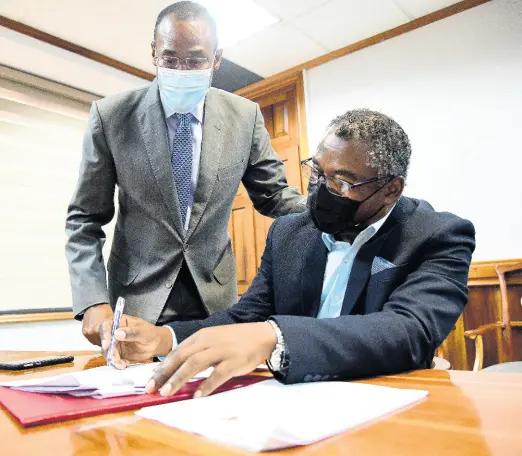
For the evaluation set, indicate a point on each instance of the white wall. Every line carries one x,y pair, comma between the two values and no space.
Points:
36,57
455,86
44,336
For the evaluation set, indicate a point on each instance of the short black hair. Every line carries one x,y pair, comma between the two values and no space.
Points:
185,10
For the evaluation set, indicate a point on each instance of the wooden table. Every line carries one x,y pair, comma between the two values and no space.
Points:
466,413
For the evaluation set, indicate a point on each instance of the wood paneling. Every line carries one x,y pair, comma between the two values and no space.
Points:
241,229
483,308
283,110
482,273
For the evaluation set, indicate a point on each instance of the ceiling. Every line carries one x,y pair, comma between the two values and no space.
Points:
122,29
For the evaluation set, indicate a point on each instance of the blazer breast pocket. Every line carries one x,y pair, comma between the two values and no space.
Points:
121,271
381,285
390,274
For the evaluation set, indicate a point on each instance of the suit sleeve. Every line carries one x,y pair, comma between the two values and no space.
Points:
256,305
404,335
265,178
91,207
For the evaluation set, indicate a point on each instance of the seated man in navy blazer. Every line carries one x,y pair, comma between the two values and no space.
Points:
366,282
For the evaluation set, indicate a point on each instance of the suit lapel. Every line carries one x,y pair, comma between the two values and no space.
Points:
211,150
360,274
362,264
155,136
312,277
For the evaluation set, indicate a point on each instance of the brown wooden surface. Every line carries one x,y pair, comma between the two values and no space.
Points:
482,273
466,413
35,317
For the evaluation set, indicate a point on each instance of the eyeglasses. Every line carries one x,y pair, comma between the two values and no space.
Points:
189,63
334,185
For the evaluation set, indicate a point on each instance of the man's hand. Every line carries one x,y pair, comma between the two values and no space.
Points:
92,322
233,350
137,340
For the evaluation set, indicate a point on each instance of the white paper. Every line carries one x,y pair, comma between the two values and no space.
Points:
100,382
269,415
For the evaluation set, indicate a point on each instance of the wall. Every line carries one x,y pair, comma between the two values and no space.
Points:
44,336
456,88
40,150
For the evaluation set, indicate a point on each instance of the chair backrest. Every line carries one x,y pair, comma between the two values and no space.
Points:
506,343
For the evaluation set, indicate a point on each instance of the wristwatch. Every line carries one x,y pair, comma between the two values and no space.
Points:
277,361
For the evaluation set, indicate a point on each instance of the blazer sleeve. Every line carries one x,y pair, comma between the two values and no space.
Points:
404,335
91,207
265,178
256,305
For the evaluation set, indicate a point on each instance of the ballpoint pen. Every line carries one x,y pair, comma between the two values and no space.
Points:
118,312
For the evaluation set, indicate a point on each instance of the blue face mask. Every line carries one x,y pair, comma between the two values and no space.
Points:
182,90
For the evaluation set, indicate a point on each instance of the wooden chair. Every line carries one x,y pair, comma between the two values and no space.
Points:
503,327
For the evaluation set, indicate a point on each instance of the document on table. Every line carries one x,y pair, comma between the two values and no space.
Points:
100,382
269,415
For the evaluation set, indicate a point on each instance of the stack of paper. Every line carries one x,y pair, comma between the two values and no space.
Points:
269,415
100,382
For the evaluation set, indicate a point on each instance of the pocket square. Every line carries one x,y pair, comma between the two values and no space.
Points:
380,264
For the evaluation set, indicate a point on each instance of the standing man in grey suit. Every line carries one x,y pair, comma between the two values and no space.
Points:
177,151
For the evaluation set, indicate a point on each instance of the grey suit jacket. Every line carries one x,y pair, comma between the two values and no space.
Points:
126,145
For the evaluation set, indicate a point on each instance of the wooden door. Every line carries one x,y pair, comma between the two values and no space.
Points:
283,112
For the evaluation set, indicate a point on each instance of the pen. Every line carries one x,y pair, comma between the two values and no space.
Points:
118,312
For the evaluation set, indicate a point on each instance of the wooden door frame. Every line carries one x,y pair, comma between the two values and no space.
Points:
273,86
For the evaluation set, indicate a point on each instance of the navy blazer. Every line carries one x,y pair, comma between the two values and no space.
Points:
391,321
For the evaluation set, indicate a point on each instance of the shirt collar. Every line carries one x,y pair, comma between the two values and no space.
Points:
363,237
197,112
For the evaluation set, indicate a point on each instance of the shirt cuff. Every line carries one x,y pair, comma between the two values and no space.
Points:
174,341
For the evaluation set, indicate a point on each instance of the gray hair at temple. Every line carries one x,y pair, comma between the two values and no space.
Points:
389,147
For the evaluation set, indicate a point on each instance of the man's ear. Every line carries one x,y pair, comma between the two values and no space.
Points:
217,58
153,49
394,190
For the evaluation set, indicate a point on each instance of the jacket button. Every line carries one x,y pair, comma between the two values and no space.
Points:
169,284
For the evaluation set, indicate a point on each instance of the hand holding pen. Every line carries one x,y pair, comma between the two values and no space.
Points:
127,339
109,338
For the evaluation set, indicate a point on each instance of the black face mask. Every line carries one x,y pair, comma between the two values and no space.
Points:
334,214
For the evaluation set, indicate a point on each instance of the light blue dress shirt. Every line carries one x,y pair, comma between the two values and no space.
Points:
197,137
339,267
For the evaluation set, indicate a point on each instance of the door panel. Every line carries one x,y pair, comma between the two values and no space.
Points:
248,229
241,230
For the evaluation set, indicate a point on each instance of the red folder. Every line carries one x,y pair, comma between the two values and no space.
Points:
31,409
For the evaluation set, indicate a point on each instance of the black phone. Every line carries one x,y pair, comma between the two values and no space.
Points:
30,363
